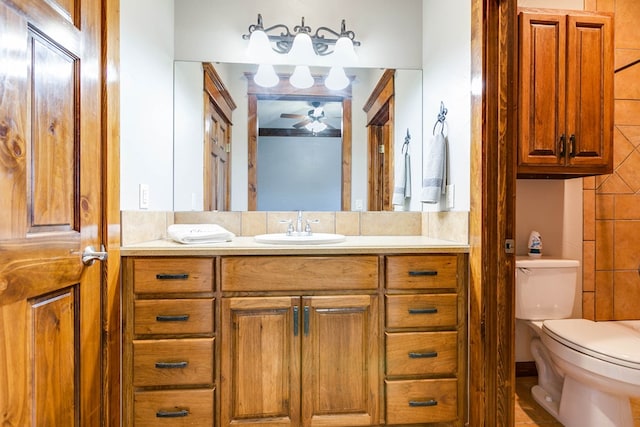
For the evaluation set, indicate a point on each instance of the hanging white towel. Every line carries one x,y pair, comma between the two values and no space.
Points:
199,233
434,175
402,187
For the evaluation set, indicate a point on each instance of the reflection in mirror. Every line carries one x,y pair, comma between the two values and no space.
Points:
299,154
189,133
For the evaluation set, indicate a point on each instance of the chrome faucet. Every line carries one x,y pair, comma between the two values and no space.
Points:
299,223
299,229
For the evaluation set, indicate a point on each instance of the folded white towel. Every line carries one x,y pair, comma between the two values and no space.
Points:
434,175
199,233
402,179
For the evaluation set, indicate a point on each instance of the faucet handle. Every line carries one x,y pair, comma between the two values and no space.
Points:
290,228
307,228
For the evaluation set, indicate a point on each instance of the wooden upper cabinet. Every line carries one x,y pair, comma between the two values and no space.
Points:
565,97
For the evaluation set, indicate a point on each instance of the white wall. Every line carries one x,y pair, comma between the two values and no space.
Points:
146,102
446,65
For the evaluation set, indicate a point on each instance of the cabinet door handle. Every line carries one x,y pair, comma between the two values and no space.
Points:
563,145
296,326
164,276
423,273
306,320
430,402
172,414
171,365
425,355
172,318
572,142
429,310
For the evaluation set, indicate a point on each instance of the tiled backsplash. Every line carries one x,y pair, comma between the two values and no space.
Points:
141,226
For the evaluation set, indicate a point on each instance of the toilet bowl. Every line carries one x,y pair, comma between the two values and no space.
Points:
587,370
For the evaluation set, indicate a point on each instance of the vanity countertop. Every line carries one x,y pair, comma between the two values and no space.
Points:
248,246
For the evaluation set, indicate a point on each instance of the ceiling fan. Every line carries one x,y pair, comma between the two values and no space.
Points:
312,121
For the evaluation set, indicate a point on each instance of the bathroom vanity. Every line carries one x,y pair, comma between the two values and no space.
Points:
367,332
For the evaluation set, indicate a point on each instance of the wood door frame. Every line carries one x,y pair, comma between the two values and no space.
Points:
380,109
283,90
491,314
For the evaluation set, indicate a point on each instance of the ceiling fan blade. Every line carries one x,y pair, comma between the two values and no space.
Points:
292,116
301,123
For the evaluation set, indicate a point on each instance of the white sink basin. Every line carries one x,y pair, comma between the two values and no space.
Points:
299,239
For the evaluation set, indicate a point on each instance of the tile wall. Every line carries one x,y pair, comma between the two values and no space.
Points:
611,232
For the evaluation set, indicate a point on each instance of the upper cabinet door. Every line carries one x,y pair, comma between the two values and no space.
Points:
590,91
565,94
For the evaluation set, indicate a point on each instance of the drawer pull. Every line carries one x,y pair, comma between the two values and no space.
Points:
172,318
430,310
171,365
164,276
172,414
415,403
428,354
423,273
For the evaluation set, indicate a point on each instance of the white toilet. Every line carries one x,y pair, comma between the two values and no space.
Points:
587,371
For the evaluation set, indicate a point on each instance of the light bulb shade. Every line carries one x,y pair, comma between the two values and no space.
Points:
315,126
301,77
344,53
266,76
259,49
336,79
302,50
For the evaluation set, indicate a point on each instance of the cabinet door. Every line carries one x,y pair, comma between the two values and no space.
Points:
541,123
260,362
340,361
590,91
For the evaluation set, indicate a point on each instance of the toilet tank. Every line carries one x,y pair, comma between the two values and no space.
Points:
545,288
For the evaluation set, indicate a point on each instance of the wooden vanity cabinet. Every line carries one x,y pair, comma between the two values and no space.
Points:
169,352
309,357
565,99
425,339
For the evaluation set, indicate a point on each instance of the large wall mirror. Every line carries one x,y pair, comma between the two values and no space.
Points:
277,162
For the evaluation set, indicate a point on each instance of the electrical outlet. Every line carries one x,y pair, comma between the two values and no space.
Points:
450,196
144,196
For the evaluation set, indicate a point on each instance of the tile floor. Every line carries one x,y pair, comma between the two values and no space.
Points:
529,413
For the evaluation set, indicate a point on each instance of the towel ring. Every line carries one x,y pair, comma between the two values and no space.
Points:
405,145
442,116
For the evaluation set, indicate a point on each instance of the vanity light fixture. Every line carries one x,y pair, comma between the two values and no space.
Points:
302,42
302,48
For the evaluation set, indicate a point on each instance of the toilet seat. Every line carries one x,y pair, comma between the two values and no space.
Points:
607,341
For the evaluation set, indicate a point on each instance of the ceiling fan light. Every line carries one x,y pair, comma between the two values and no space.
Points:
315,126
301,77
301,50
336,79
266,76
344,53
259,49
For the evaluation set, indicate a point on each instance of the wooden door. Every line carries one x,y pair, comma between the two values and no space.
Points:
340,367
216,156
50,191
590,92
260,362
541,136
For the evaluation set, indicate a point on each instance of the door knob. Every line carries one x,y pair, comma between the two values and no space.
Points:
90,255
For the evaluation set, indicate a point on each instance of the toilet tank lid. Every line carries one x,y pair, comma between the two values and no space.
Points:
528,262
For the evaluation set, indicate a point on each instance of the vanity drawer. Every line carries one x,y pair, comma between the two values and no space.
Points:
422,353
421,271
173,408
173,362
299,273
172,275
423,310
421,401
173,316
